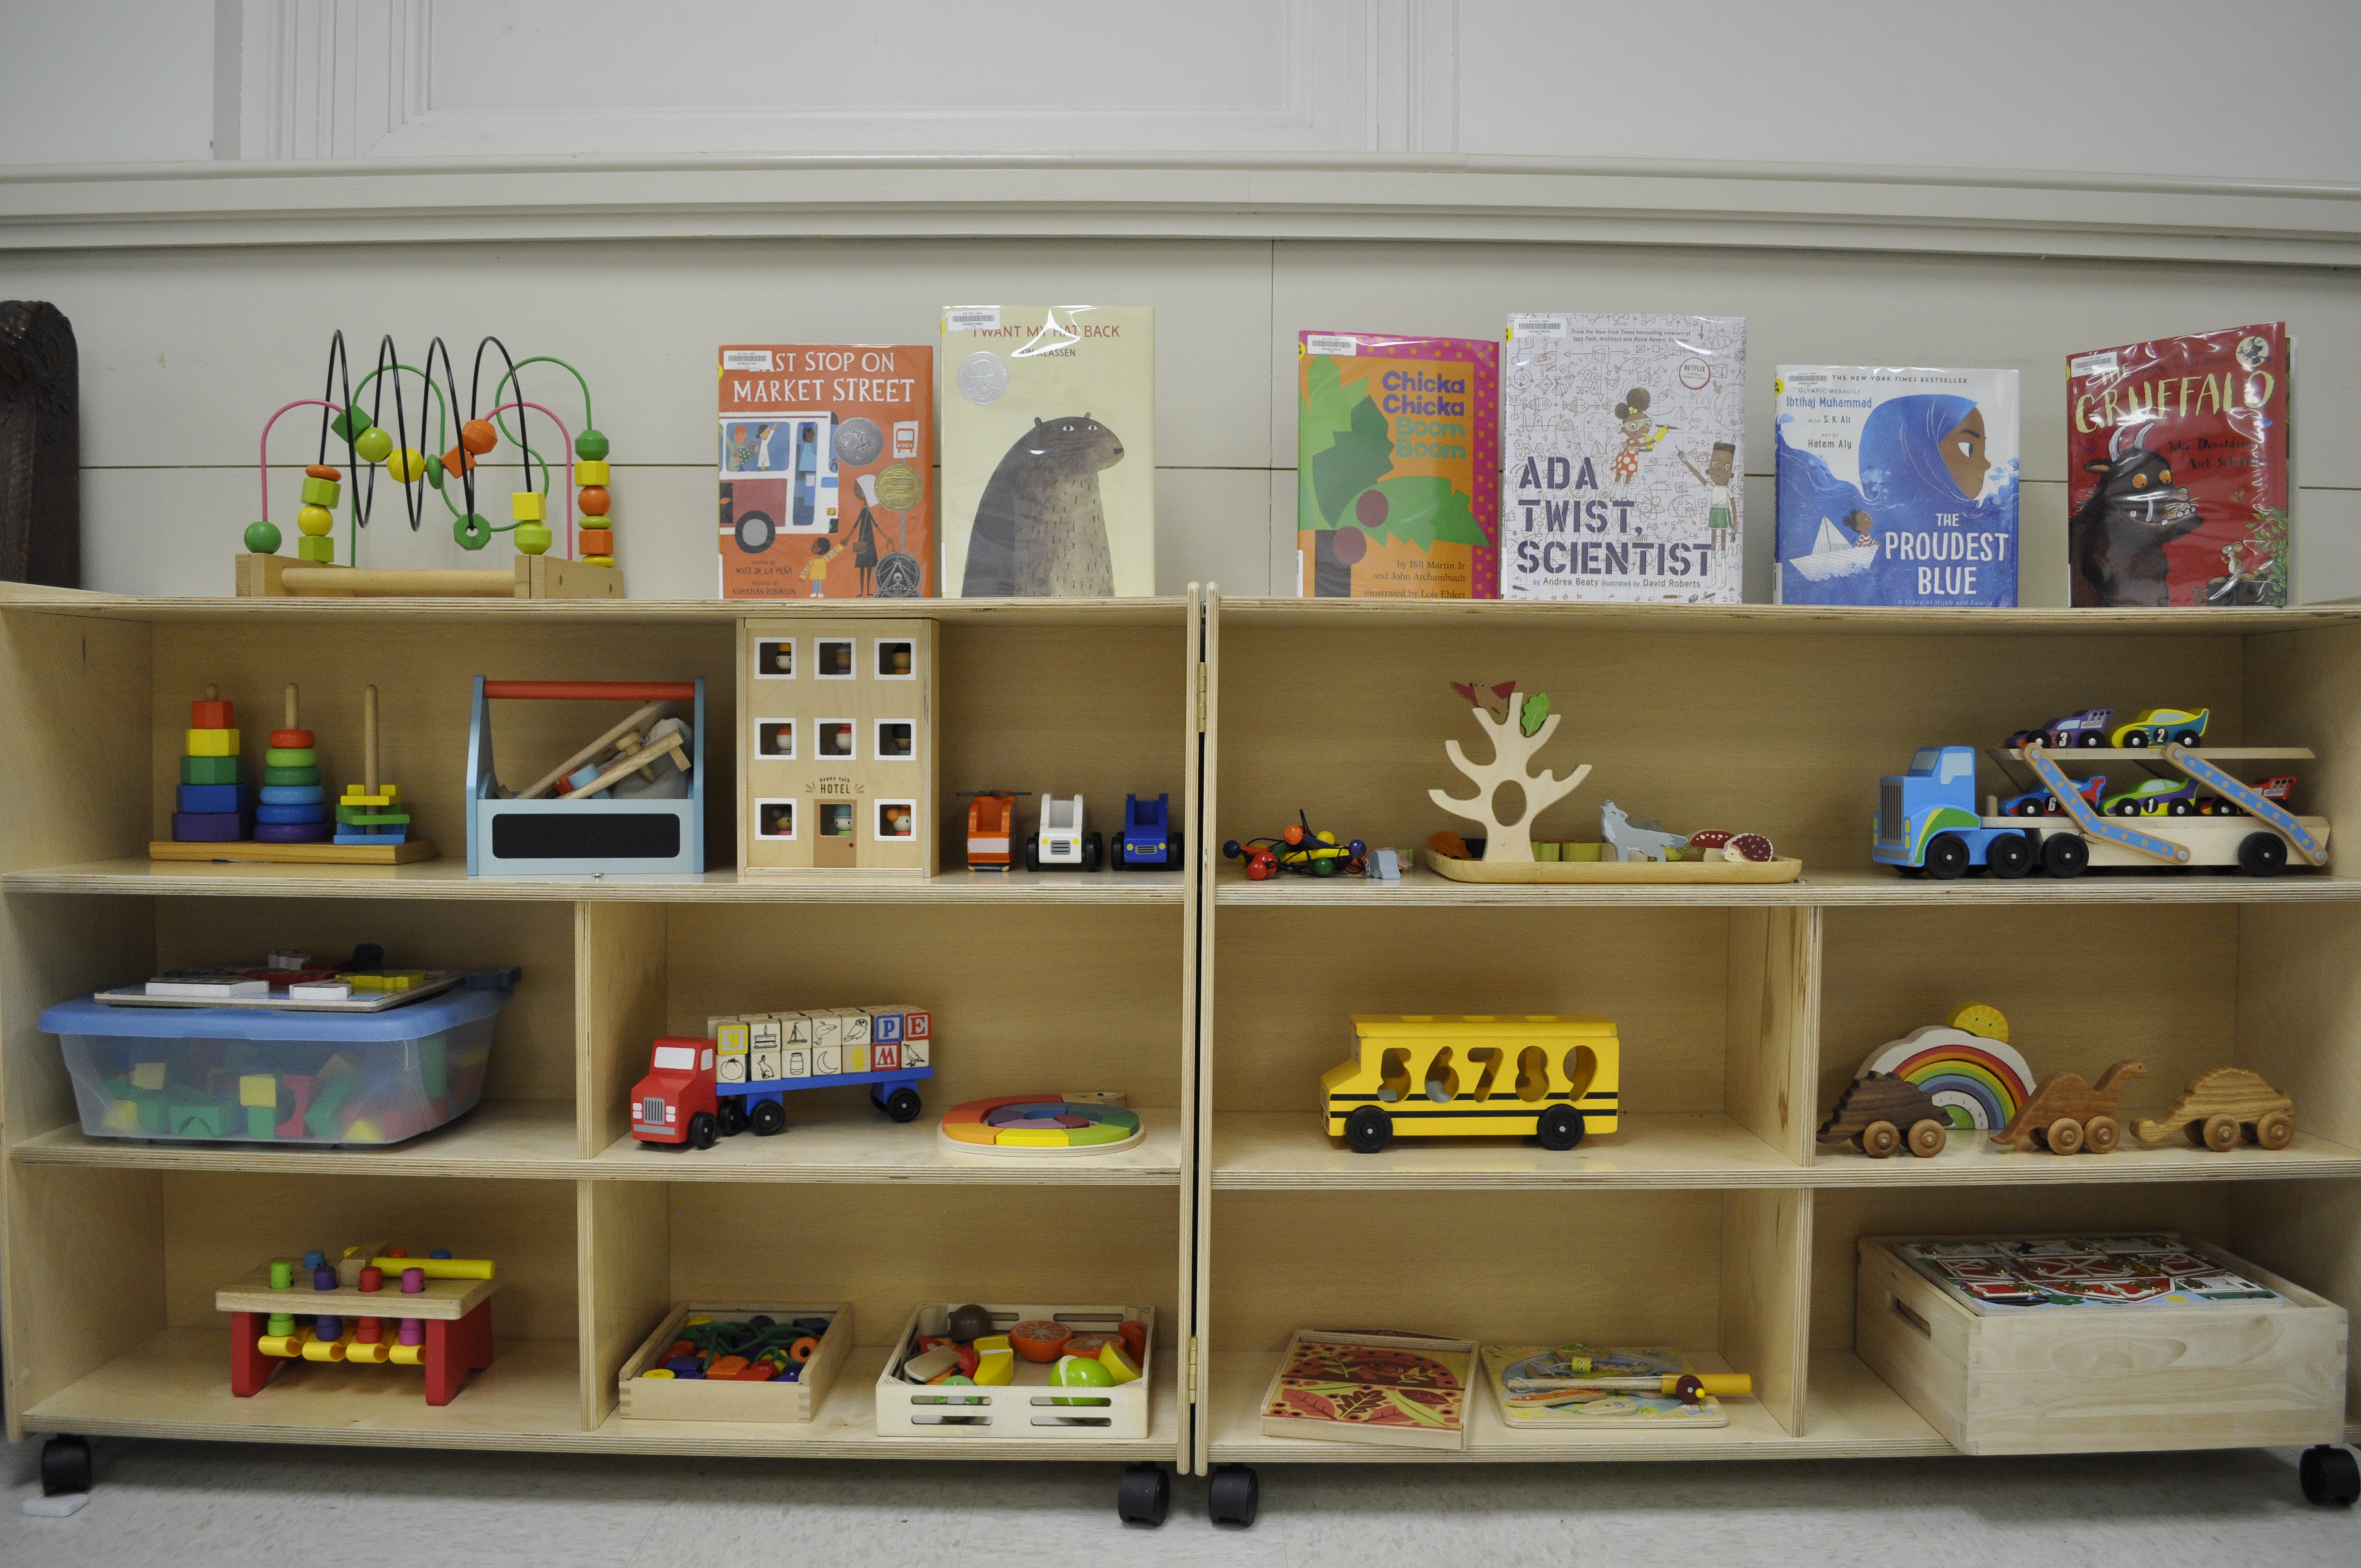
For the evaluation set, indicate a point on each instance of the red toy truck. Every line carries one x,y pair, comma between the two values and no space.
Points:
676,1103
700,1089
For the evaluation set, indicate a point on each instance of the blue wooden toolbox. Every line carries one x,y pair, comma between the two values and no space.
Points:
545,837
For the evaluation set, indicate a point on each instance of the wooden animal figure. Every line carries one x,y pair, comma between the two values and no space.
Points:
2066,1113
1040,532
2218,1108
1875,1111
1632,843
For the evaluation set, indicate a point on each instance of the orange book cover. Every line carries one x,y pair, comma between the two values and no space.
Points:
827,465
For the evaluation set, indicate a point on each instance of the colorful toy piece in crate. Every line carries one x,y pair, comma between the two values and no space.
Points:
698,1091
1038,1124
324,1309
240,1075
754,1350
1069,1372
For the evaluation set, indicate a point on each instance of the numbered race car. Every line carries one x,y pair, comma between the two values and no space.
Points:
2153,797
2159,726
2088,728
2041,802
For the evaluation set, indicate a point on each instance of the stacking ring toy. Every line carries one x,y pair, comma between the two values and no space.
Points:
1036,1125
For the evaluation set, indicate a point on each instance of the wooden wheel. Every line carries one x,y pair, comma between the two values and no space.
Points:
2065,1135
2275,1130
2101,1134
1880,1139
2222,1134
1928,1138
2195,1131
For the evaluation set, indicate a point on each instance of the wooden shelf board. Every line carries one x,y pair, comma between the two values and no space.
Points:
448,878
1288,1150
1827,888
846,1428
176,1384
528,1138
1850,1413
1971,1161
853,1142
1534,614
191,610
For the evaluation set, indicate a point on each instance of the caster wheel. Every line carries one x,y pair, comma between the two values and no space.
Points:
1144,1495
1234,1495
2328,1474
65,1466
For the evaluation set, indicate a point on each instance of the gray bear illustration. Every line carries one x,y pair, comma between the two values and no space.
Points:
1040,532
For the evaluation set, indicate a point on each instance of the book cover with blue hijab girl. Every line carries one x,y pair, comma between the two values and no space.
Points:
1897,486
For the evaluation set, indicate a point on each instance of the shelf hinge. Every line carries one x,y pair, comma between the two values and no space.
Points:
1192,1367
1200,699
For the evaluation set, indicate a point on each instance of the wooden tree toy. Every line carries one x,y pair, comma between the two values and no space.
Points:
1878,1112
2223,1106
1518,726
2067,1113
294,809
370,813
212,805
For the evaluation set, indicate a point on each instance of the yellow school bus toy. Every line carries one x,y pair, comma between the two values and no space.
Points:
1489,1076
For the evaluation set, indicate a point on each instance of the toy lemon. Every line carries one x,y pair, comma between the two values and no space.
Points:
1118,1365
995,1362
1080,1372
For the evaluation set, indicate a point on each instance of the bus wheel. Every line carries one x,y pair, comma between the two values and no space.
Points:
1368,1130
1560,1128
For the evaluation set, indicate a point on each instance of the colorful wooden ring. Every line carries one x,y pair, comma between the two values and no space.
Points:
290,739
473,531
321,471
803,1350
1041,1339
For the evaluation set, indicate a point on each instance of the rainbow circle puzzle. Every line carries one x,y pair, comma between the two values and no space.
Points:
1979,1080
1035,1125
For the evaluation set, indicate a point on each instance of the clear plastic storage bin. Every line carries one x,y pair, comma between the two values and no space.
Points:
232,1075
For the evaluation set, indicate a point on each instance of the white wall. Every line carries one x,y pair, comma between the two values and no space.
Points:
2150,87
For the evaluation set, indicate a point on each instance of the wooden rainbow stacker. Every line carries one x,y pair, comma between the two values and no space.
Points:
372,1306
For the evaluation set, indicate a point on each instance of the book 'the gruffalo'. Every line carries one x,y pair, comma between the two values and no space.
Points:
2177,469
1397,441
825,453
1049,451
1624,458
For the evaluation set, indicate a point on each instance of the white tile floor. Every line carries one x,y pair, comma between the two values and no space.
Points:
195,1504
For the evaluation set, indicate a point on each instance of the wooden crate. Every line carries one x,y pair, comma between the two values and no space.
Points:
2103,1379
1025,1409
695,1399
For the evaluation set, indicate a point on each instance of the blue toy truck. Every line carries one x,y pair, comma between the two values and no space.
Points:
1927,824
1148,840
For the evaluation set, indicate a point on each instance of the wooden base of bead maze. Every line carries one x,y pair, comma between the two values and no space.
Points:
534,577
297,854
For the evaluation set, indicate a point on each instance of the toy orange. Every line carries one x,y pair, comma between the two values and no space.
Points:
1040,1340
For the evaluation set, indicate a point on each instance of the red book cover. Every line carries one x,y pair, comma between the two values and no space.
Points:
827,451
2177,470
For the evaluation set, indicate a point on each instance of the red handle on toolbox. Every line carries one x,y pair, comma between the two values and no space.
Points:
595,691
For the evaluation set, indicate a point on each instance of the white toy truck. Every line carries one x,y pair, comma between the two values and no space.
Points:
1062,845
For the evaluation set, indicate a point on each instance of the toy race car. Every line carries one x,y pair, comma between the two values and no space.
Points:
2153,797
1148,840
2088,728
1300,851
2041,802
1062,845
2158,726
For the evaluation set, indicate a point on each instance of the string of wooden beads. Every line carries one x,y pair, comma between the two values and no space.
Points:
596,500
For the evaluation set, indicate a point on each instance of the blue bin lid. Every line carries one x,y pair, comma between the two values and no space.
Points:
419,1019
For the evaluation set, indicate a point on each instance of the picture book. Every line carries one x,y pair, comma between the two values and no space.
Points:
1897,486
2177,469
1049,451
825,455
1526,1381
1397,441
1624,458
1399,1391
2157,1270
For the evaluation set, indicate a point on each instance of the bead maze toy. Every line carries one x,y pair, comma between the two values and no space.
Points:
369,447
1535,1075
294,821
441,1307
632,801
737,1077
1033,1126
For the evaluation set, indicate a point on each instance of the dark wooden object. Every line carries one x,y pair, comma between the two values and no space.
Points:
2066,1113
1877,1112
40,446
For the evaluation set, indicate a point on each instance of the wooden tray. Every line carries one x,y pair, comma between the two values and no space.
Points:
1780,868
642,1399
400,854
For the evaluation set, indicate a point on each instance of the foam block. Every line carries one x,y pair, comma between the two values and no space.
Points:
208,827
